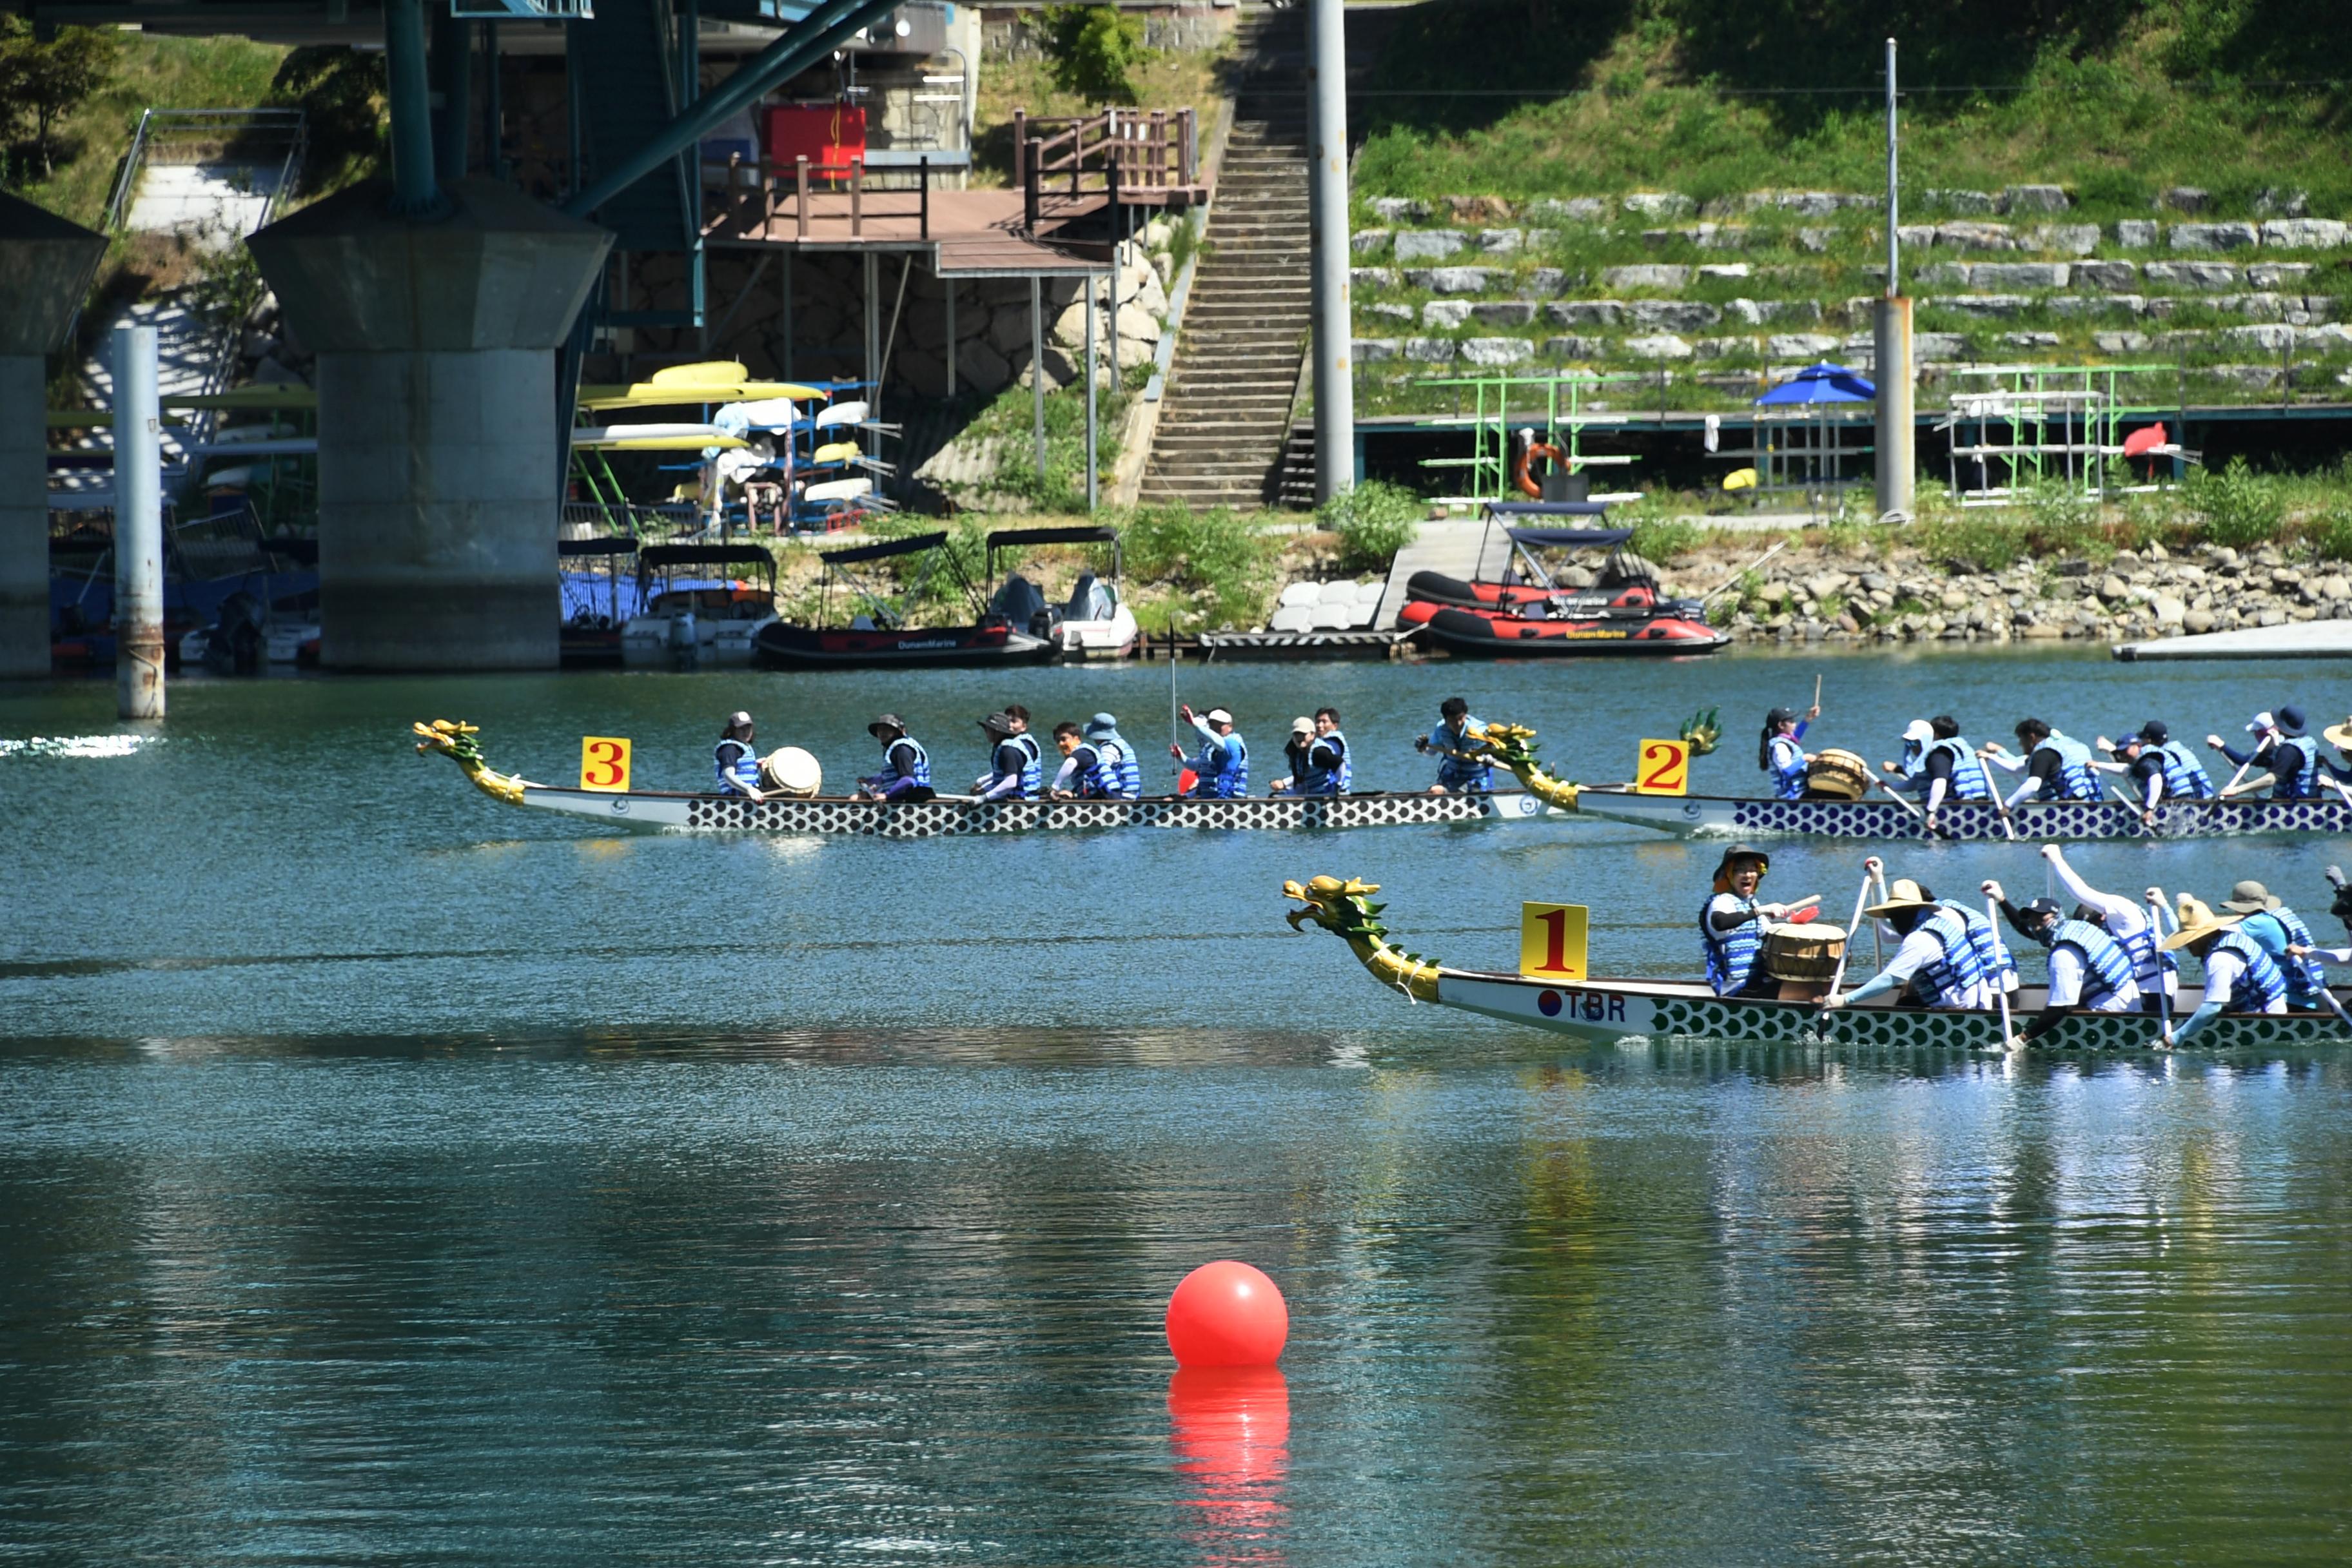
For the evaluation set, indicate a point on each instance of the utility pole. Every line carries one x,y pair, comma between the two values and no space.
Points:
1898,466
138,528
1335,387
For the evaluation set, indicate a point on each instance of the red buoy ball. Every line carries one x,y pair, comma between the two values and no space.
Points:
1227,1314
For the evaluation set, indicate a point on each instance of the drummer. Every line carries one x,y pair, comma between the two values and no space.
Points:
1732,923
737,759
1782,752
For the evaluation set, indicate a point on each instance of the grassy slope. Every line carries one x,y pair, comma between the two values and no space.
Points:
2112,117
1168,78
155,72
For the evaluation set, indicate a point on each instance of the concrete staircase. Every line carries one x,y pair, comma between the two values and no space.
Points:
1235,374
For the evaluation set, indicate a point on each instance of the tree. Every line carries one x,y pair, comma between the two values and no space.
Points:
49,79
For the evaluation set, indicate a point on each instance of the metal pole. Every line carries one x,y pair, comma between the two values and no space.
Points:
138,528
1335,389
873,328
948,289
415,192
786,285
452,62
1037,367
572,109
493,107
1089,373
1891,366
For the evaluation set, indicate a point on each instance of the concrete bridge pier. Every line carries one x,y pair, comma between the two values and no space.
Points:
438,489
47,263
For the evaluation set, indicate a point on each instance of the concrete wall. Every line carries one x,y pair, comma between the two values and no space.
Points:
24,519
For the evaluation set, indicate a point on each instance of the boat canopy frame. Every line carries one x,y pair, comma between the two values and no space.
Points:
889,614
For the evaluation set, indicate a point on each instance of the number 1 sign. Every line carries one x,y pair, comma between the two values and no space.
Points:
604,763
1551,940
1665,770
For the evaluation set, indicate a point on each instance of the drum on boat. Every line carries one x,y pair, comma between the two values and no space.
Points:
1802,952
1834,775
792,772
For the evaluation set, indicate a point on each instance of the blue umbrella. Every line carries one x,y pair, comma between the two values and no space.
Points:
1822,383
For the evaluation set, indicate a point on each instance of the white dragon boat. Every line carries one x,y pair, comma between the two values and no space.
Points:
1891,820
944,816
1604,1011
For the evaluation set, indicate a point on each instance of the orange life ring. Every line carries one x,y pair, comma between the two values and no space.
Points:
1526,461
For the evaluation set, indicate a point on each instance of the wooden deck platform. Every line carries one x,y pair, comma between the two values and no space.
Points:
958,233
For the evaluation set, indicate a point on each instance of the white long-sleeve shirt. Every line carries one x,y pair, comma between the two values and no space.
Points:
2124,919
2223,970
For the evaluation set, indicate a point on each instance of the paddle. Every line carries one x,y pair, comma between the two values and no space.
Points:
1853,930
1906,804
2008,1042
2156,936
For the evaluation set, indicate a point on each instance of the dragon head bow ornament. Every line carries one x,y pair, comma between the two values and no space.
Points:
454,739
1513,745
1345,909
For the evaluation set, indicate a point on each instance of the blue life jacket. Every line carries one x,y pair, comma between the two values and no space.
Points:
918,771
1951,977
1118,760
1730,954
1788,769
1032,778
2273,930
2150,964
2077,780
1453,773
1969,780
1223,771
2185,777
2299,779
1994,960
738,765
2106,967
2262,974
1325,781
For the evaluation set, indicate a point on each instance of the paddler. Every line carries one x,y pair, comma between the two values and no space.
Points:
2236,968
1938,764
2278,931
1221,771
737,759
906,767
2089,969
1096,763
1321,764
2142,766
2282,750
2154,971
1732,923
1939,959
1780,750
2057,766
1013,761
1460,768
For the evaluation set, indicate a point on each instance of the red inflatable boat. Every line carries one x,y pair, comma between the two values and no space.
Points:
1490,633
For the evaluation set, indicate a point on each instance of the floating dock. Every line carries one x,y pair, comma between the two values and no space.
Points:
2296,639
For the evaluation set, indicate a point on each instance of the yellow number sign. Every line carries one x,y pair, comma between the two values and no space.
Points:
604,763
1665,770
1551,940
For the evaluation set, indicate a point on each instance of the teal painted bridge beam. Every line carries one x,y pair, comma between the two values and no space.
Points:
415,192
828,26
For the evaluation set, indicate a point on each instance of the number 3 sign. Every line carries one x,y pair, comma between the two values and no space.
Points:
604,763
1665,770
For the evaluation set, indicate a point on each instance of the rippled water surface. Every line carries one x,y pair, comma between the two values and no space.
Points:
387,1175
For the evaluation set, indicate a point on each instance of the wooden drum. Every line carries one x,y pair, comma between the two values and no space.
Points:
792,772
1836,775
1808,952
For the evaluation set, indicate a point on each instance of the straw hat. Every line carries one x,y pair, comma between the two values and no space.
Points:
2339,735
2197,923
2250,899
1902,894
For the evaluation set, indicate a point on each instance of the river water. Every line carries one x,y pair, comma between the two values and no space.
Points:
387,1174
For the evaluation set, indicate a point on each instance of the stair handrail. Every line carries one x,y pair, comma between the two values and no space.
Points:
1146,146
117,203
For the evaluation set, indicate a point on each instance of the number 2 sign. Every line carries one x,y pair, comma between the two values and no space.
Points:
1665,770
1551,940
604,763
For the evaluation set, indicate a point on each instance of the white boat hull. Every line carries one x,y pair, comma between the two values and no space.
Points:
1885,820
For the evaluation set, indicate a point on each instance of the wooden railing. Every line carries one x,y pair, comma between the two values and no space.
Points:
755,194
1116,150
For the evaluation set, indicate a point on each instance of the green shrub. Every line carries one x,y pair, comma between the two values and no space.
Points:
1664,540
2240,508
1220,556
1984,543
1092,49
1374,521
2330,533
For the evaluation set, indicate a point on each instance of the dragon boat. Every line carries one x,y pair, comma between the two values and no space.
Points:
944,816
1606,1012
1892,819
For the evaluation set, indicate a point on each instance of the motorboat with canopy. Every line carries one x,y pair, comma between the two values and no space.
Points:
705,605
1528,612
879,635
1093,623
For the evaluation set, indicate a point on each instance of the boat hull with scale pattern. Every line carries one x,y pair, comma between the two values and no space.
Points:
2038,822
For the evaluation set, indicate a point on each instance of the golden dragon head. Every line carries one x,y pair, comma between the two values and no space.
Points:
454,739
1701,731
1513,745
1345,909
